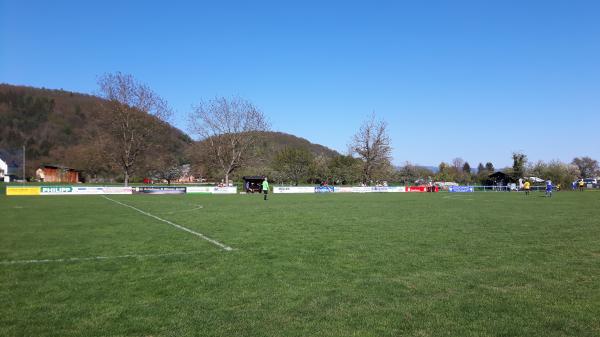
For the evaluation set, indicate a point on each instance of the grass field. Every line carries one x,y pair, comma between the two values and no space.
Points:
479,264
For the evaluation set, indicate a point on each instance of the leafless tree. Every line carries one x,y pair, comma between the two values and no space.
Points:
134,116
228,129
372,145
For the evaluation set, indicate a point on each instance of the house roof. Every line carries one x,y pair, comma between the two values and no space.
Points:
57,167
253,177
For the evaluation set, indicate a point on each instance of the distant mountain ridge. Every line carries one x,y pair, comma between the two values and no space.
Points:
59,127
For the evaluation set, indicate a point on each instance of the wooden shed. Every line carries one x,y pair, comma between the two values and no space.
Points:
57,174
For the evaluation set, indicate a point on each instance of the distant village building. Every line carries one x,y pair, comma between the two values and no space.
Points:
57,174
4,171
186,174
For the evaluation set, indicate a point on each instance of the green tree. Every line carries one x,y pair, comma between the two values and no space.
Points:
489,167
345,170
466,168
518,168
480,168
293,164
444,172
588,167
410,173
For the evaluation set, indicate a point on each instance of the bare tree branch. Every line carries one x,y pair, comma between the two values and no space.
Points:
131,129
229,128
372,145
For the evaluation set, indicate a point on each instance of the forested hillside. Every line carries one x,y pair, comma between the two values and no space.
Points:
65,128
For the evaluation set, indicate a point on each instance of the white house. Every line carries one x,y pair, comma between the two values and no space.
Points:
4,171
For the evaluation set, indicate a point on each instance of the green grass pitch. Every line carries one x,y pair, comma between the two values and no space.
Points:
479,264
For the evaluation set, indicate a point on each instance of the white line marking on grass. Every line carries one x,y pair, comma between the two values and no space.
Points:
214,242
75,259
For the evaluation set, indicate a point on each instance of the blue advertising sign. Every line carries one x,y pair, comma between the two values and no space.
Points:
324,189
461,189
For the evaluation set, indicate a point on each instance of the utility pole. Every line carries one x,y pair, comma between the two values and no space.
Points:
24,163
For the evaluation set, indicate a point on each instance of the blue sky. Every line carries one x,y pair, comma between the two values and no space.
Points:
470,79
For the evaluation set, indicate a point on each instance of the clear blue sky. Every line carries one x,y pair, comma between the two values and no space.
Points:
471,79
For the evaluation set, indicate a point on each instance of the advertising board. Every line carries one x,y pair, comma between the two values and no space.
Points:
87,190
343,189
68,190
416,189
461,189
56,190
293,189
117,190
396,189
324,189
199,189
361,189
161,189
224,190
16,190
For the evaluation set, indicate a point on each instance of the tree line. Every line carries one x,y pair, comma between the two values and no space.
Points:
228,130
129,138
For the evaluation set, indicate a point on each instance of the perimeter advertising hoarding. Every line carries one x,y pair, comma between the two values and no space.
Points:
84,190
361,189
324,189
161,189
224,190
461,189
117,190
200,189
416,189
56,190
211,190
343,189
293,189
395,189
15,190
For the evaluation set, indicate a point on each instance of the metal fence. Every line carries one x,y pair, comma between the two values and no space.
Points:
505,188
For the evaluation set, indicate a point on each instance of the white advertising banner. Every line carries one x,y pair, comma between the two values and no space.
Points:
361,189
400,189
293,189
200,189
343,189
117,190
224,190
211,190
340,189
87,190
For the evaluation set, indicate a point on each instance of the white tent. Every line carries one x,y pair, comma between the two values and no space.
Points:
536,179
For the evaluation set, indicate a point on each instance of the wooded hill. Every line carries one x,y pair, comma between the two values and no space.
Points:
62,128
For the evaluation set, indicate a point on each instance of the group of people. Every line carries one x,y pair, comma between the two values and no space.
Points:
255,187
548,191
549,187
580,183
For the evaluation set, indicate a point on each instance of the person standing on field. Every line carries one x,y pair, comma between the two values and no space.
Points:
549,188
265,187
526,187
581,185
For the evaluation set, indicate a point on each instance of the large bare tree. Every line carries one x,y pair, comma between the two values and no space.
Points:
135,114
372,145
228,129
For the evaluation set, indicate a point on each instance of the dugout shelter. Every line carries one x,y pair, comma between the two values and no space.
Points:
253,184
